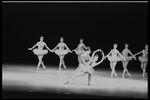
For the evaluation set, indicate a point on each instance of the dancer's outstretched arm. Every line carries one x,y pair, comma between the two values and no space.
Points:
138,53
76,48
132,54
55,47
47,47
84,46
67,48
91,58
33,47
108,54
121,55
99,61
122,52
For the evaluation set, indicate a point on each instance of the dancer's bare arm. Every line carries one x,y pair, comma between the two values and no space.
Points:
100,60
67,48
33,46
138,53
121,55
47,47
108,54
55,47
132,54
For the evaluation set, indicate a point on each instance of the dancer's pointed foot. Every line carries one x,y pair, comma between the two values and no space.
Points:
66,82
44,67
143,75
111,76
116,75
60,69
37,69
129,75
122,76
65,67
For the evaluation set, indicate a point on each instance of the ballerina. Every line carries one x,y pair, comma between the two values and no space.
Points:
61,52
114,56
86,67
125,53
143,59
40,52
80,49
85,56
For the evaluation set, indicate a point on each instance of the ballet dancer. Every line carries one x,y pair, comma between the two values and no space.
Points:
114,56
80,49
125,53
40,52
85,56
86,67
61,52
143,59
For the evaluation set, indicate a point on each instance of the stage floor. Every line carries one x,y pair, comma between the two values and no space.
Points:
25,78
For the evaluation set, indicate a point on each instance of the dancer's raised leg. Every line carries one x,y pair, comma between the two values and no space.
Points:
77,74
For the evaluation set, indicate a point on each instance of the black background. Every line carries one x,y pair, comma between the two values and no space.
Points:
99,24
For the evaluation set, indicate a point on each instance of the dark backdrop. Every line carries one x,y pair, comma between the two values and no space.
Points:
99,24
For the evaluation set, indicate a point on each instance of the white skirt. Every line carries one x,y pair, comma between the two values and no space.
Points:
61,52
128,58
79,52
86,69
143,59
40,52
114,58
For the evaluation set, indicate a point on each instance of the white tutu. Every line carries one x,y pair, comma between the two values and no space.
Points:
79,52
40,52
61,52
86,69
114,58
128,58
143,59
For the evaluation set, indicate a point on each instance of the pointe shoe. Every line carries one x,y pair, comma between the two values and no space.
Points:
37,69
65,67
143,75
44,67
123,76
60,69
129,75
66,82
116,75
111,76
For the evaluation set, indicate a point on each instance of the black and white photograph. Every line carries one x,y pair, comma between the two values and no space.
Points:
74,49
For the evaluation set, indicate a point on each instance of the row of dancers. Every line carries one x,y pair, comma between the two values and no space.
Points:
87,62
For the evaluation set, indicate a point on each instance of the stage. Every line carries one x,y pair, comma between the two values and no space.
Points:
25,78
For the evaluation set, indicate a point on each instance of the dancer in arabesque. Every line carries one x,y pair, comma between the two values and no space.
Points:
86,66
